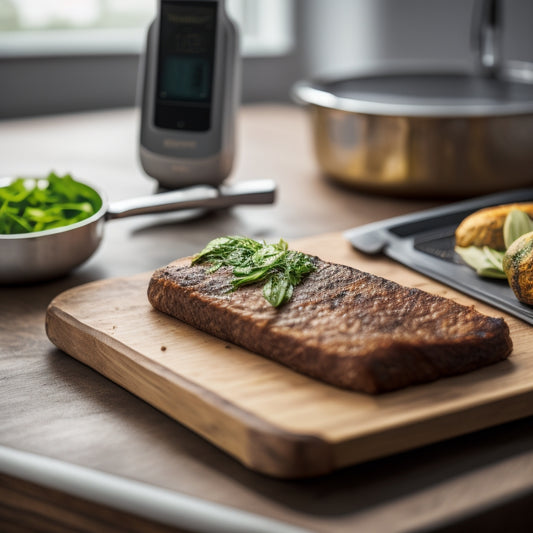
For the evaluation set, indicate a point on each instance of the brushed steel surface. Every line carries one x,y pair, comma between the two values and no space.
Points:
424,156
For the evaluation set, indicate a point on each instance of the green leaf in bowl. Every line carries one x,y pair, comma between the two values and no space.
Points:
30,205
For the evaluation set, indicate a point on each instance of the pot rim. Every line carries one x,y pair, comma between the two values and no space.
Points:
321,93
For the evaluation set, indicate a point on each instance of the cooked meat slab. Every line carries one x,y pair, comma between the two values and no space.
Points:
343,326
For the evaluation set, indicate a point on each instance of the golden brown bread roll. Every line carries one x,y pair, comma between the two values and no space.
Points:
485,227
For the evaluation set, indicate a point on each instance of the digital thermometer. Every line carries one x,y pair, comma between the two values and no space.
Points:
190,94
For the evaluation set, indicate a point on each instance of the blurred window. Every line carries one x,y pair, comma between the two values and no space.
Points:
70,27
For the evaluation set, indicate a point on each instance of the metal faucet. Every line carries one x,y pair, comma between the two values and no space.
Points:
486,35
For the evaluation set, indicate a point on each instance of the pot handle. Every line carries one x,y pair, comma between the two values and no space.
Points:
197,197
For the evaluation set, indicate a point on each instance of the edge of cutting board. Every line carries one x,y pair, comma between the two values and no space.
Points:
254,442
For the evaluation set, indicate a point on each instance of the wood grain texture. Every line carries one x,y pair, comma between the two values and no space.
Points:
271,419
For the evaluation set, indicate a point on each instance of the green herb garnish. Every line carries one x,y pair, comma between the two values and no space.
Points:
30,205
486,261
251,261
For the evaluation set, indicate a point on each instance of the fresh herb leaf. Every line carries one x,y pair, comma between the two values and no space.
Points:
486,261
516,224
279,268
494,257
30,205
278,289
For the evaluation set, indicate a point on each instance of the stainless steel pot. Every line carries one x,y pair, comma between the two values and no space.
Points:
44,255
432,134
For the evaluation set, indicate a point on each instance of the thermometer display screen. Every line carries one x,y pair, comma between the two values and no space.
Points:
185,65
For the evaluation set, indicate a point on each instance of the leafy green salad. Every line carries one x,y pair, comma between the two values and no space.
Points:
30,205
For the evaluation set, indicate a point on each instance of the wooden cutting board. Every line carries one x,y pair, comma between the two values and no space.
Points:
270,418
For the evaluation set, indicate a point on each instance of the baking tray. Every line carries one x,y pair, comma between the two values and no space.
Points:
425,241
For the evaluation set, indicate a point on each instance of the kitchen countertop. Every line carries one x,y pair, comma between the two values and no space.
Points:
79,452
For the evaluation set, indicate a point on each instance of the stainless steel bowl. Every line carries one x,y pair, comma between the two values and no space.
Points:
44,255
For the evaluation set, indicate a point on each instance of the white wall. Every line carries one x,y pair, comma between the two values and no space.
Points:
333,37
353,35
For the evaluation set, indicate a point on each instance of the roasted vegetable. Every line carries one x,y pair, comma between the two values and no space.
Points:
518,267
485,227
515,263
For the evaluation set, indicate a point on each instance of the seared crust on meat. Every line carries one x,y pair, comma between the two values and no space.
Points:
485,227
343,326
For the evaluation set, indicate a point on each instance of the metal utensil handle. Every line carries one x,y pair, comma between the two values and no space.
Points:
486,36
197,197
